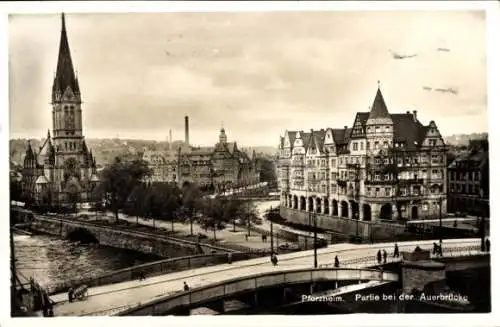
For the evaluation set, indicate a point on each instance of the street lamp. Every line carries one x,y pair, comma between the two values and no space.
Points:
315,241
440,222
272,240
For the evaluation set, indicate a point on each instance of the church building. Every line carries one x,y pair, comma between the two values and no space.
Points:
62,171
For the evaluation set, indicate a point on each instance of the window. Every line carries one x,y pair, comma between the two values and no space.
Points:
387,191
377,191
377,129
367,145
355,146
361,146
376,145
386,144
334,162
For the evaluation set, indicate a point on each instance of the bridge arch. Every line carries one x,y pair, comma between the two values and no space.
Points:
226,289
82,235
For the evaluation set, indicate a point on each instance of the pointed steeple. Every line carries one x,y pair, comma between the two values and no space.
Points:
379,109
65,74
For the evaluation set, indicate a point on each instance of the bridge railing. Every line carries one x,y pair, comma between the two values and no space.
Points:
154,269
371,260
248,283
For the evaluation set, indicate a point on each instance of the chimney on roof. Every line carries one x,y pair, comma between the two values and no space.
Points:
345,127
415,115
186,130
407,112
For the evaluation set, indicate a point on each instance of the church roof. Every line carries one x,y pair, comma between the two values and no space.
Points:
65,74
379,109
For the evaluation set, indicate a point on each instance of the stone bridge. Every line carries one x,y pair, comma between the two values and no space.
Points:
184,301
120,237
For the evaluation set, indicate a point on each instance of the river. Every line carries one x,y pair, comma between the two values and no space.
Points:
51,260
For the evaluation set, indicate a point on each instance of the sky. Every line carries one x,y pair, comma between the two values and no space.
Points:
257,74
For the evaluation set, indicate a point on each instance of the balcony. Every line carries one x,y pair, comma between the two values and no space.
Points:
411,181
353,166
385,182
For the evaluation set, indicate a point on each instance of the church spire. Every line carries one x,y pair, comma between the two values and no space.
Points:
65,74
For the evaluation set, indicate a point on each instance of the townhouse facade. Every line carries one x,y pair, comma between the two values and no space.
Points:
385,167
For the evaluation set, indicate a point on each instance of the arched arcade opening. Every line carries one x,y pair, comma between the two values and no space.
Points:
386,211
367,212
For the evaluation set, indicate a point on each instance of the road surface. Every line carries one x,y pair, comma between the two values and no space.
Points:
110,299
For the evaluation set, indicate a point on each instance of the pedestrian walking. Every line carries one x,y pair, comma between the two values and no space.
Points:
186,287
487,244
274,259
70,295
379,257
337,263
229,258
246,237
396,251
384,254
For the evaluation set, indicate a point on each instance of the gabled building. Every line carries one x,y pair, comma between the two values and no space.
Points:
222,166
386,166
62,170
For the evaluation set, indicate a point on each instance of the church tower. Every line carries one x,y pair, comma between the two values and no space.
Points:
73,161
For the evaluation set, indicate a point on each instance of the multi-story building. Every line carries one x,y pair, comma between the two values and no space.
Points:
386,166
221,166
63,169
468,181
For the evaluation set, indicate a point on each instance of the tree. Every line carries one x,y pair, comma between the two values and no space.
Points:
162,201
118,181
215,216
15,189
268,172
191,202
136,203
234,209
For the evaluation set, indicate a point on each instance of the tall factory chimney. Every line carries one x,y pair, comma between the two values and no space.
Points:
170,139
186,130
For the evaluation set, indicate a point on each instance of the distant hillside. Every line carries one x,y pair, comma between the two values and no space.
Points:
463,139
105,150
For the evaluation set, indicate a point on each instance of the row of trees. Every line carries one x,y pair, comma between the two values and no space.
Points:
122,188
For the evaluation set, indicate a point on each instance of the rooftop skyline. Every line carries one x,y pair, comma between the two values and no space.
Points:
139,74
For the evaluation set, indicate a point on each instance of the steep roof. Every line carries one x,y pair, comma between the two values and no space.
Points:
291,136
341,135
363,117
409,130
379,109
65,74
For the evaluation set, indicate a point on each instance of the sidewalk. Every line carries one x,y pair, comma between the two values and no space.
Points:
227,235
